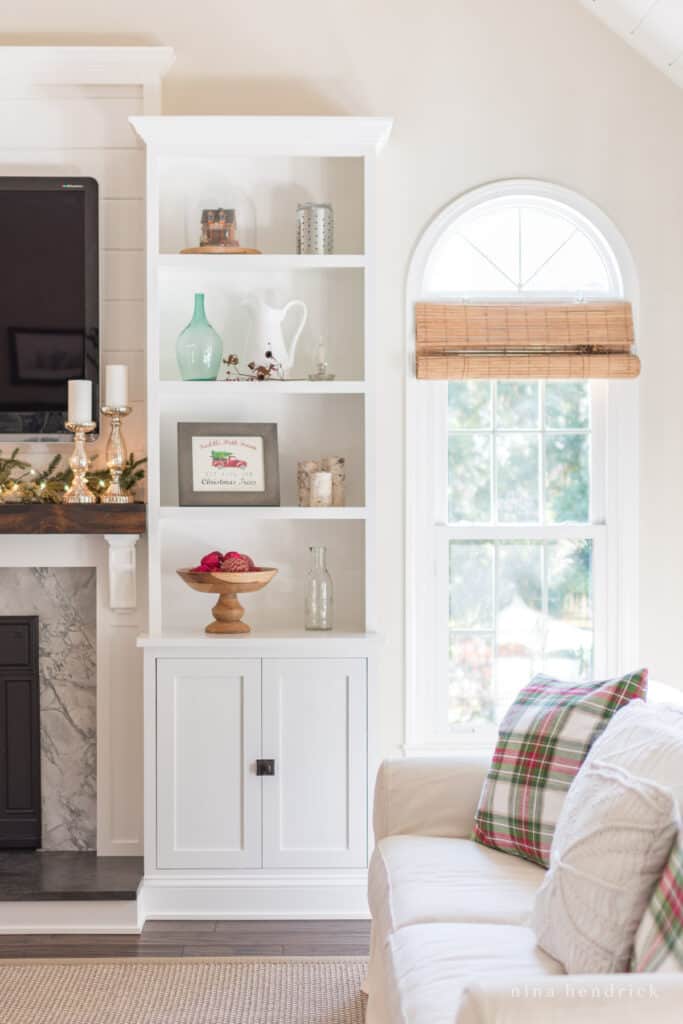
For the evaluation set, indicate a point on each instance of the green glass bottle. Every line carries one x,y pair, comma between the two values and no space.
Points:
199,349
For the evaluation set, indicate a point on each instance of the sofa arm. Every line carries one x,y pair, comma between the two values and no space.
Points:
574,999
428,796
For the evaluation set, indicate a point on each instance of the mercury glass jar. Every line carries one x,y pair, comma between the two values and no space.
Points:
319,592
314,228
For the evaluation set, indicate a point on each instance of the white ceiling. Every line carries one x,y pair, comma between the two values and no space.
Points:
653,27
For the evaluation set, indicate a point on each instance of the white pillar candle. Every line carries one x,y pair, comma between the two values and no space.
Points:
116,385
80,401
336,466
321,489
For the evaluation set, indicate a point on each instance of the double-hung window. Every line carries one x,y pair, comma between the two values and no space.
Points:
514,533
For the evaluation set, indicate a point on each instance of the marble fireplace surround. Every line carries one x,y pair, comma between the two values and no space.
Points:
91,683
64,601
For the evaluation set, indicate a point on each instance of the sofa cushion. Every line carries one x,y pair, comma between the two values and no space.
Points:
427,967
659,939
611,845
543,741
416,879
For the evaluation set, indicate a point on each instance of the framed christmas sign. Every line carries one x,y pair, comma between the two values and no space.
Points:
228,464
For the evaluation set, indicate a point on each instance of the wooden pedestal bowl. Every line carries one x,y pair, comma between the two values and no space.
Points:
227,611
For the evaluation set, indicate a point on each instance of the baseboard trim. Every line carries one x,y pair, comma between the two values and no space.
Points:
251,899
69,917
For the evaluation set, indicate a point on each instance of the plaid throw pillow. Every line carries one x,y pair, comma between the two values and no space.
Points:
659,939
542,743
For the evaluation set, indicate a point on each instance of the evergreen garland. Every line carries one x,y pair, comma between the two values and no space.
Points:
21,483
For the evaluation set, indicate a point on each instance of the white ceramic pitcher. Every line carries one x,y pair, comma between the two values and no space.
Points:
267,329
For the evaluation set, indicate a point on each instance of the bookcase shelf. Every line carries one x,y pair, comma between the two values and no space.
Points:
224,513
201,390
226,264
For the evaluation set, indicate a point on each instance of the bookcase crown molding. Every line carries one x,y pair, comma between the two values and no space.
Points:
322,136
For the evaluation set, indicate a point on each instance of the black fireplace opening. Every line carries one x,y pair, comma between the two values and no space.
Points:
20,800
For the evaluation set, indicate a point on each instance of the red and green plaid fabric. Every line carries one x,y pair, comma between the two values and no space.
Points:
659,939
543,741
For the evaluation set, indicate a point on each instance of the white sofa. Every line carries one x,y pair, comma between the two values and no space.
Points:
450,939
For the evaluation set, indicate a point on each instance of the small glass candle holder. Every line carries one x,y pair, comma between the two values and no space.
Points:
321,367
79,493
116,455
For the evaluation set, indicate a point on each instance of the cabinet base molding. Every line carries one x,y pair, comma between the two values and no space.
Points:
248,898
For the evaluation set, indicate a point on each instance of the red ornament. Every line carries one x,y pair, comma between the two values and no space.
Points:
232,561
235,562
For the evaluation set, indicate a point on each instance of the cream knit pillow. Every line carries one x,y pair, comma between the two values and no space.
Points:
646,740
611,843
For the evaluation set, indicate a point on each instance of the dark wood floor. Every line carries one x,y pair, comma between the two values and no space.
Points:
204,938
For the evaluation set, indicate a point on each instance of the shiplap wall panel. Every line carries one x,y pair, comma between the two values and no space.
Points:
17,89
136,372
89,123
120,173
122,224
74,131
123,275
136,432
123,325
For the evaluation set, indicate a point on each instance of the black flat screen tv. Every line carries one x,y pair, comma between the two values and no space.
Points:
49,301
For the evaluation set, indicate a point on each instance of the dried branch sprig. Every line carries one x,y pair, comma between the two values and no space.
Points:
270,370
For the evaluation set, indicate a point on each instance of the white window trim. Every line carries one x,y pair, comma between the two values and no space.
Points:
616,547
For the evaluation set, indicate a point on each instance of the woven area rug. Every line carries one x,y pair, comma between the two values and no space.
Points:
219,990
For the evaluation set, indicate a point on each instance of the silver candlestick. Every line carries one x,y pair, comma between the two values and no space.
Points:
79,493
116,455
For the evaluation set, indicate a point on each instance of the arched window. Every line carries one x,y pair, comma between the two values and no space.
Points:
509,507
521,245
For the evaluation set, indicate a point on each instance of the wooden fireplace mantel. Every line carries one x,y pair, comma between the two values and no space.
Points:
119,525
51,518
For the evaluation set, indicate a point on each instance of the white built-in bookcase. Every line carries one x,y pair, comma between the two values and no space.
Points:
222,837
277,162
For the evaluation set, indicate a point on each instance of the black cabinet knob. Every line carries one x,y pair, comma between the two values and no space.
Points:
265,766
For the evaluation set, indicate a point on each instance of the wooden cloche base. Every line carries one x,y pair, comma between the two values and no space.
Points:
219,250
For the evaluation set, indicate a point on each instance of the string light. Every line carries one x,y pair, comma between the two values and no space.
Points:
32,485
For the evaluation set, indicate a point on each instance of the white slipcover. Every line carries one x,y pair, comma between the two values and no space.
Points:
449,943
428,966
418,879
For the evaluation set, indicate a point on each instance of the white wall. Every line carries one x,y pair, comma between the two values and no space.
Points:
480,90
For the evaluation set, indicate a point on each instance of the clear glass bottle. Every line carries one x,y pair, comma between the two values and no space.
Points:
199,349
319,592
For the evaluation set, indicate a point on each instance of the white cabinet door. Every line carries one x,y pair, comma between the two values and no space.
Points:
208,740
314,726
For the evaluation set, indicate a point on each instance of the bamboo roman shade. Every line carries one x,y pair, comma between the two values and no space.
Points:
457,341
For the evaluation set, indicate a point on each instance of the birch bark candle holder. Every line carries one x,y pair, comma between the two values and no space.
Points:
303,479
314,490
